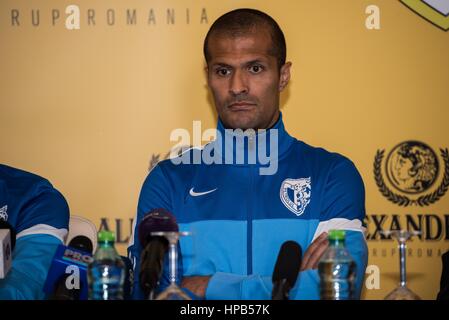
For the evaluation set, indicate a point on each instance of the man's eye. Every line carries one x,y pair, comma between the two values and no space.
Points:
222,72
256,69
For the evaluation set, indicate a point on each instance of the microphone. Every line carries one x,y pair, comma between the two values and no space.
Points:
82,243
77,256
67,276
129,278
7,243
286,270
154,247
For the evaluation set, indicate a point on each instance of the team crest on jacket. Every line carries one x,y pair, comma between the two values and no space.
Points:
295,194
3,214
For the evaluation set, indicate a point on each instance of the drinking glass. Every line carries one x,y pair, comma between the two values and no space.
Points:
402,292
173,291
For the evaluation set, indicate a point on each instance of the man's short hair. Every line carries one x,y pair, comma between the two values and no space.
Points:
241,22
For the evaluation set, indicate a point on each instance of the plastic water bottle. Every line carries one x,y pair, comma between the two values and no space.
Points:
106,273
336,269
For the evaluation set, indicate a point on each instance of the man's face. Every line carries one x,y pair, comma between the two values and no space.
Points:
245,80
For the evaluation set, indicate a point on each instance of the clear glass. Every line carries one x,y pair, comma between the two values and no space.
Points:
402,292
106,274
172,292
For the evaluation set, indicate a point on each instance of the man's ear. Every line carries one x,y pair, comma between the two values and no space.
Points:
284,75
206,70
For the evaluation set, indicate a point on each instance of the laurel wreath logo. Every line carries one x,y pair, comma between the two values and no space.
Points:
404,200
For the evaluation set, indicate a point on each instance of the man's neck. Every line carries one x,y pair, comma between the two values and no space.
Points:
272,123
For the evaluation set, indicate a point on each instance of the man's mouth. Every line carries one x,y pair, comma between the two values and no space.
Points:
241,106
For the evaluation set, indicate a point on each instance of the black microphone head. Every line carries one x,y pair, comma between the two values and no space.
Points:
82,243
288,263
129,278
61,292
5,225
157,220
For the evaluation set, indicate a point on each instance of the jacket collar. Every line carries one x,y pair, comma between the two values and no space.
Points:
251,147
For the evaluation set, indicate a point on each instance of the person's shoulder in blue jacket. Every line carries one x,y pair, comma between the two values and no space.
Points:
39,215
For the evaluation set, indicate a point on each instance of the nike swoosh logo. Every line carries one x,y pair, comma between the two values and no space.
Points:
197,194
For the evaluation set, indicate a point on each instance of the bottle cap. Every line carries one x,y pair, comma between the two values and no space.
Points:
336,235
106,236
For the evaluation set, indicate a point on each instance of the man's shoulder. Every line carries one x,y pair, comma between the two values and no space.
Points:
27,197
22,186
183,160
320,155
177,167
19,179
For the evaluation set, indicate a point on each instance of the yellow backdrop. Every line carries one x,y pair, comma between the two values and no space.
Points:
90,108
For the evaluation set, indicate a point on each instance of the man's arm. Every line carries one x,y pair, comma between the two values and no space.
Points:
41,227
343,208
235,287
198,284
31,260
228,286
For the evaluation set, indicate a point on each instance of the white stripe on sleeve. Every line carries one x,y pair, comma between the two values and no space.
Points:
61,234
339,224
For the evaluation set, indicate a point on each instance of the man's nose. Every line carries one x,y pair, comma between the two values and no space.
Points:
239,84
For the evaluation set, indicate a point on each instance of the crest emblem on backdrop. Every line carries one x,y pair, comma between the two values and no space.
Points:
295,194
412,169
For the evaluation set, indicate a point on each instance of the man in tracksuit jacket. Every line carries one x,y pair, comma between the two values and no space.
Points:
39,215
239,207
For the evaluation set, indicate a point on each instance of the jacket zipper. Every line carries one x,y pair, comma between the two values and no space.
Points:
250,224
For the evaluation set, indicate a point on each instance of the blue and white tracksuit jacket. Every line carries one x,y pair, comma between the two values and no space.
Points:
39,215
239,218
